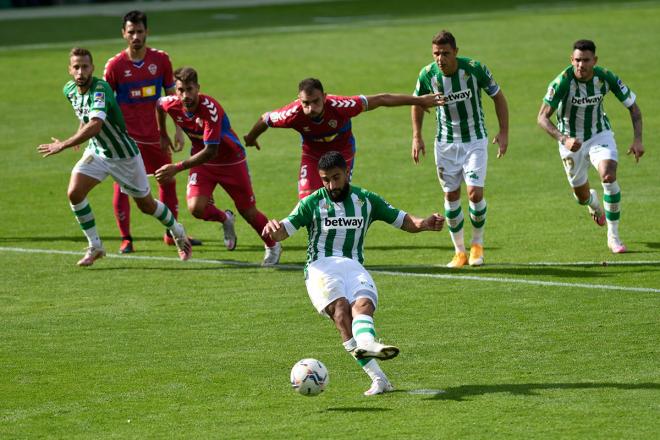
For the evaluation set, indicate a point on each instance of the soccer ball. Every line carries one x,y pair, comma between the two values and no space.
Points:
309,377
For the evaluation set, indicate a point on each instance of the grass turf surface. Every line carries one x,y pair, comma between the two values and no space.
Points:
154,348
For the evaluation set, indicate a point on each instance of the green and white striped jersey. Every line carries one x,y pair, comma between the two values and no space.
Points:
113,142
579,104
339,229
461,119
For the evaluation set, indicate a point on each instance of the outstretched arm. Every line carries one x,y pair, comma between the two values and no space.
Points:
636,148
395,100
543,119
275,230
251,138
502,112
434,222
85,132
166,172
161,122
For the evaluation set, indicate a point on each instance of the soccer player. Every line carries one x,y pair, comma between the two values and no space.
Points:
584,133
337,217
461,143
139,74
217,158
324,123
110,151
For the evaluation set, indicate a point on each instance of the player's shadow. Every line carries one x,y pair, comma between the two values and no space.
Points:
652,245
463,392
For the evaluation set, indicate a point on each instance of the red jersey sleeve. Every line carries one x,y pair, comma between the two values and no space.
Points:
284,116
168,75
109,73
211,117
349,106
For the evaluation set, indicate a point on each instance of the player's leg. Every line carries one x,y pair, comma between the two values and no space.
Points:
122,209
576,166
199,194
235,180
132,178
308,177
612,202
449,160
474,174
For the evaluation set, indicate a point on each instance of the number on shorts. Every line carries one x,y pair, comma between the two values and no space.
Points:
303,171
568,164
192,179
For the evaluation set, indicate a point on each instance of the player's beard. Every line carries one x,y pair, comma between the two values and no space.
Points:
338,195
84,83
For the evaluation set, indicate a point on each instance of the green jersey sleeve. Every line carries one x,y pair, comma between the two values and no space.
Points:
620,90
103,99
381,210
301,216
557,90
423,86
485,79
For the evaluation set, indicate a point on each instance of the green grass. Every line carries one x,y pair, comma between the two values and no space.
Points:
154,348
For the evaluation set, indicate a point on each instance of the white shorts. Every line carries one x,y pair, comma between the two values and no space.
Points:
331,278
600,147
459,161
129,173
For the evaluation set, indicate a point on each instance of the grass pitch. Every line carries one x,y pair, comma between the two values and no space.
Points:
545,341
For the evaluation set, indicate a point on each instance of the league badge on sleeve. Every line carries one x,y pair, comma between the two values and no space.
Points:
99,99
622,86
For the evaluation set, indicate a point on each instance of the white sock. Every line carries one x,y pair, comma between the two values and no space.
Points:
454,216
612,205
85,217
165,216
478,220
363,330
349,345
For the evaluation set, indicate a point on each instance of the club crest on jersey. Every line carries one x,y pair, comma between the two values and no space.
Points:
461,95
332,123
342,223
586,101
153,69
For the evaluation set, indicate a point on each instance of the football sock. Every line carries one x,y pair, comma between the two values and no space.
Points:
258,223
85,217
478,220
122,208
165,216
167,195
372,368
612,204
454,215
213,214
591,202
363,330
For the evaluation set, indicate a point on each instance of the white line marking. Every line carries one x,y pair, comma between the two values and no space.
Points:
376,270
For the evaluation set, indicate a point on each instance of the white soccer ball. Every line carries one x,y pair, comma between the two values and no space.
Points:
309,377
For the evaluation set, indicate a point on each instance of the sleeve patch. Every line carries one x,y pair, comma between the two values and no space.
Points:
99,99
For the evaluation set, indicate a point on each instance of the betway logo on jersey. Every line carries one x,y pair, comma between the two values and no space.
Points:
586,101
343,223
461,95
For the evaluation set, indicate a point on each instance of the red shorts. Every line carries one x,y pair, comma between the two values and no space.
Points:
153,157
235,179
309,179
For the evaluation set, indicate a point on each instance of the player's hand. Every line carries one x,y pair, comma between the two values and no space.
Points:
417,147
165,173
179,140
434,222
271,228
431,100
572,144
637,149
166,144
49,149
251,141
502,140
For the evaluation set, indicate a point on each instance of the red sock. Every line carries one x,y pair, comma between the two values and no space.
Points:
259,223
122,208
213,214
167,195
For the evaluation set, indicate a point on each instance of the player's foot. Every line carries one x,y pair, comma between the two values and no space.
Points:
459,260
616,245
379,386
91,255
183,246
376,350
272,255
126,247
476,255
597,214
229,232
169,240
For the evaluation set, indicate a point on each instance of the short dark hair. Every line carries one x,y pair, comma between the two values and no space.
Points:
186,75
135,17
81,52
308,85
585,45
445,37
332,159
